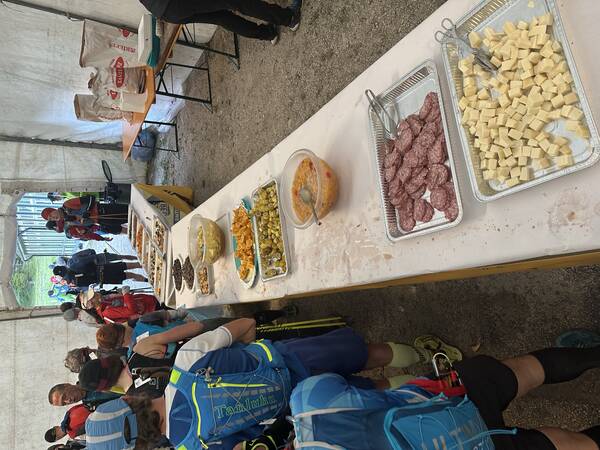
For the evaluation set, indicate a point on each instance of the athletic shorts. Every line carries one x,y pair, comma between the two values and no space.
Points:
341,351
491,386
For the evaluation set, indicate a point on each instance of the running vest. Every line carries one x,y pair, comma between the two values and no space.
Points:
150,375
415,422
224,404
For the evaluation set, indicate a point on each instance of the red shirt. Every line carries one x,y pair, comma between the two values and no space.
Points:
77,416
134,305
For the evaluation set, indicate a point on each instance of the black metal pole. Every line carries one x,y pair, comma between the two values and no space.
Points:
25,140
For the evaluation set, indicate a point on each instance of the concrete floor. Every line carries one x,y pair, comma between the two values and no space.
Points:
275,91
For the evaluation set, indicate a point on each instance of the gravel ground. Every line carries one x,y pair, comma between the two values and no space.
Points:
275,91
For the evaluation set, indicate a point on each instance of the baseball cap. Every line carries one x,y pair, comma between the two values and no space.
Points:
88,296
105,427
46,212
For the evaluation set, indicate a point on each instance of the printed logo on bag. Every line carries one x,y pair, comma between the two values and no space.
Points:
113,94
118,72
125,33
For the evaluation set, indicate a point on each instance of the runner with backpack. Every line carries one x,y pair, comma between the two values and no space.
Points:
224,383
462,411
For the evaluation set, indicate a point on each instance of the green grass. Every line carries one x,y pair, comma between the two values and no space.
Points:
31,282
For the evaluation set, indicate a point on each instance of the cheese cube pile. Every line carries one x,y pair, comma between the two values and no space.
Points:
506,114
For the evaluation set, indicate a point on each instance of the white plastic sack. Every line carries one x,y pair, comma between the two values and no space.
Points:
102,44
87,108
118,78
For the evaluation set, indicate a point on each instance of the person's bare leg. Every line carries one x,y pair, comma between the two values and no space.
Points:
131,266
569,440
135,276
379,355
529,372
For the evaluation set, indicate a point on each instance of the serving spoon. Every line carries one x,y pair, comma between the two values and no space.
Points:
306,197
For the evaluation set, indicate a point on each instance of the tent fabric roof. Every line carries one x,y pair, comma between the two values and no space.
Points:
40,72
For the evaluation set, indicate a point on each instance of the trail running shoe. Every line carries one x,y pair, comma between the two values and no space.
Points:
578,339
434,344
296,7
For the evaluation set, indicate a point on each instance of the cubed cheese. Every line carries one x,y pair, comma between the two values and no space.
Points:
489,175
523,160
511,161
470,90
515,172
566,111
576,114
565,150
545,144
559,101
554,114
526,174
559,140
512,182
475,39
515,134
553,150
563,88
536,125
492,164
507,152
542,163
537,153
565,161
570,98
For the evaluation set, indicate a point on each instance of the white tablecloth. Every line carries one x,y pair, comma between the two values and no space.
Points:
350,248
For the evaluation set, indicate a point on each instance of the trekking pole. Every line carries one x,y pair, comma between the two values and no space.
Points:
313,321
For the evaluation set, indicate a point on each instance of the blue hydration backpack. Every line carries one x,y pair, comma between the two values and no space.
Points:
344,421
215,405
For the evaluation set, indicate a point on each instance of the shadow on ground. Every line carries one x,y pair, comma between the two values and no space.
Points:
275,91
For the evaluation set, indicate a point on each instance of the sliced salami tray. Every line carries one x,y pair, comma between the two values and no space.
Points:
413,157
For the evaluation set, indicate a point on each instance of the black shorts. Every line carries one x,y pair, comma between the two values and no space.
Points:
491,386
112,273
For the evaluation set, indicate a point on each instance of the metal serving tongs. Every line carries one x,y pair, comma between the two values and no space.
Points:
451,33
383,116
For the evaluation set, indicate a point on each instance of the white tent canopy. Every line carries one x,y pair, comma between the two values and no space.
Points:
40,73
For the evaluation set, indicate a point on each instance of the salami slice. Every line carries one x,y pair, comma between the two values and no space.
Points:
394,186
451,211
405,215
412,159
404,141
419,192
389,146
400,199
404,172
437,154
426,139
430,127
403,126
415,124
438,174
392,159
449,186
428,212
439,126
389,173
427,105
417,181
439,198
434,114
423,211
